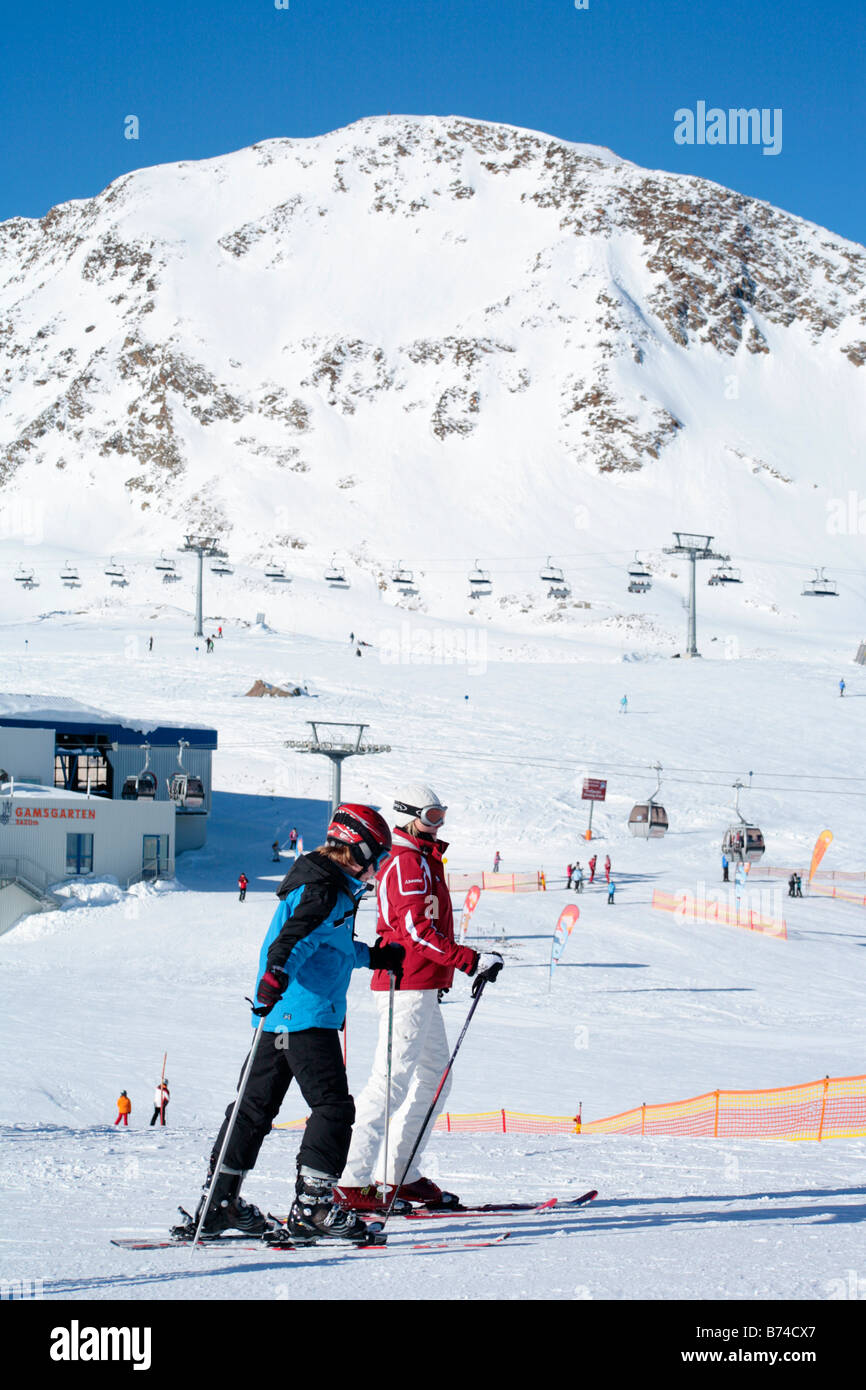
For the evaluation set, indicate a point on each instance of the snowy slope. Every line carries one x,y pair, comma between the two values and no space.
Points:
643,1007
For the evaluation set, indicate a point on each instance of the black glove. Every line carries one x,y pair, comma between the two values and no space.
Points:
387,956
272,987
488,967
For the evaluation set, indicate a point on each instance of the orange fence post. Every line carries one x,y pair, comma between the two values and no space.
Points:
823,1108
716,1120
504,1128
447,1121
643,1117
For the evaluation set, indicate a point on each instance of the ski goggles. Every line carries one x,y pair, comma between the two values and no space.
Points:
431,816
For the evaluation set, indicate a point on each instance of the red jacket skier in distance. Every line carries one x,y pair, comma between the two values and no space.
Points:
415,912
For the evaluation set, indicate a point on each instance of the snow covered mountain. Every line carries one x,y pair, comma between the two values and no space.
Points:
275,344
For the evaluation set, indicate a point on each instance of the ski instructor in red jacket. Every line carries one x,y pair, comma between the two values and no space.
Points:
415,913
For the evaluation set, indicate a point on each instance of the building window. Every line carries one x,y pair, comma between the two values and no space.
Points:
79,854
155,861
78,772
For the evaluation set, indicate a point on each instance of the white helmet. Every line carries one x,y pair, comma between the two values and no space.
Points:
415,801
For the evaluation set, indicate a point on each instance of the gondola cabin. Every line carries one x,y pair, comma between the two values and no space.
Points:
648,821
743,844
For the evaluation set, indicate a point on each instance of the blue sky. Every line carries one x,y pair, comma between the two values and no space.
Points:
212,76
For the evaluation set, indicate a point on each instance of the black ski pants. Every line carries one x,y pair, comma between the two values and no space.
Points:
314,1058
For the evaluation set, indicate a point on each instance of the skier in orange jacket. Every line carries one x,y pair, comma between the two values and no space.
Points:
124,1109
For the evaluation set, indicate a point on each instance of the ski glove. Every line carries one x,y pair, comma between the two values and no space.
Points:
488,967
272,987
387,956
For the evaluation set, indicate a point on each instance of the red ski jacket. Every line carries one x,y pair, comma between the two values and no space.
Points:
415,913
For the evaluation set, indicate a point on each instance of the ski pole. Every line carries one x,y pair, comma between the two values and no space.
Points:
230,1126
391,986
416,1146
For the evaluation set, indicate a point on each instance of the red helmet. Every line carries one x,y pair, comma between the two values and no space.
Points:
364,831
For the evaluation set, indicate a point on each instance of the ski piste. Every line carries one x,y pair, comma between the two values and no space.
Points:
242,1244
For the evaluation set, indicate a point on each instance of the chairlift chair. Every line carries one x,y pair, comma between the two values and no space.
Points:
142,786
648,820
725,574
335,576
116,573
221,567
820,586
403,578
479,581
165,565
69,575
26,577
639,578
551,574
274,570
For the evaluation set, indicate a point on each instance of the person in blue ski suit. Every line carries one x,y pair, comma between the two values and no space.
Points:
305,966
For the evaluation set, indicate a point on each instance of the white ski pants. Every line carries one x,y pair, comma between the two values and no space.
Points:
419,1056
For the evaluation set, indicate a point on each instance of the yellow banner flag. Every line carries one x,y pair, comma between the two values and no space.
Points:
822,844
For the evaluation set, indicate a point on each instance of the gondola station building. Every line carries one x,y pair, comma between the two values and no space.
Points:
88,794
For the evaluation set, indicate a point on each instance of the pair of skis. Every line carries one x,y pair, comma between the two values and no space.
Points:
237,1240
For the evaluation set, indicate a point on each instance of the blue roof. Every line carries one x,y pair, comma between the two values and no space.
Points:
67,716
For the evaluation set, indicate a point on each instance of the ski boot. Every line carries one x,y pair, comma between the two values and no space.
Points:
316,1215
425,1192
370,1199
227,1211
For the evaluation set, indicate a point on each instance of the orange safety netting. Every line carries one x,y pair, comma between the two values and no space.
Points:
712,909
834,1108
845,895
833,875
533,882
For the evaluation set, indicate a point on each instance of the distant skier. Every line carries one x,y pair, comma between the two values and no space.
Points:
607,868
124,1109
578,879
275,851
219,632
160,1101
150,645
497,860
611,889
623,705
592,863
798,886
724,868
293,840
242,885
842,687
569,870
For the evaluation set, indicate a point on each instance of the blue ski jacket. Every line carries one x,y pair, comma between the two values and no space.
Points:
312,938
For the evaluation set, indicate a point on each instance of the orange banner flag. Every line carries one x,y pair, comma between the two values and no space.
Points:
822,844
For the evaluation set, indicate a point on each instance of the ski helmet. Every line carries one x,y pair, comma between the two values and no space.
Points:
415,801
363,830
